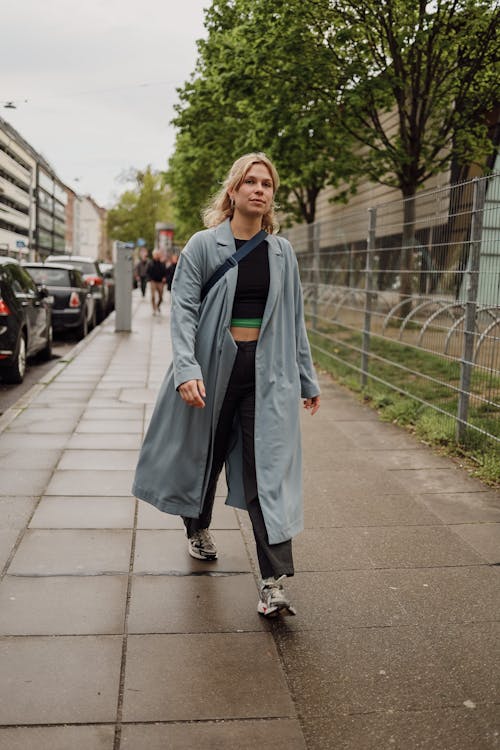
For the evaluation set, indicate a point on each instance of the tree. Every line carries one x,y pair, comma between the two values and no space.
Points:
435,64
251,92
139,208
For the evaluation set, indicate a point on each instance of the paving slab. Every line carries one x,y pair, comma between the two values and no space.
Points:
214,735
12,458
326,509
16,512
45,552
84,513
112,426
415,546
330,549
122,412
8,539
484,538
167,676
24,481
58,680
63,395
470,653
63,605
138,395
366,670
454,728
368,435
464,507
165,552
436,596
341,599
27,443
194,604
92,460
58,738
106,391
450,479
104,441
87,482
347,482
45,426
417,457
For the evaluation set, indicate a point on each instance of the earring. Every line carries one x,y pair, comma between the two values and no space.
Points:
231,202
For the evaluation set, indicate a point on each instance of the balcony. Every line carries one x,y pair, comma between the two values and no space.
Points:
9,190
16,170
13,217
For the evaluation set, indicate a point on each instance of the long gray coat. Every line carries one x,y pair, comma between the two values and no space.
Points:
174,464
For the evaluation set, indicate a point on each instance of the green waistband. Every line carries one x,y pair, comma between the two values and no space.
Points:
246,322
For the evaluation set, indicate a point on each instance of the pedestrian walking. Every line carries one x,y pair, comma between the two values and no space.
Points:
171,266
241,364
157,272
141,270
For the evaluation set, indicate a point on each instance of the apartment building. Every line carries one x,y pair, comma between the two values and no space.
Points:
32,200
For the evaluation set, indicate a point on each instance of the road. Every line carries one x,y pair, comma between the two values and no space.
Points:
9,394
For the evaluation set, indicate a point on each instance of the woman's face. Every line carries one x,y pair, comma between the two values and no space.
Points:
256,192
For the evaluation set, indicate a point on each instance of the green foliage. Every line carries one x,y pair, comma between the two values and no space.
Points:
139,208
434,64
253,90
336,91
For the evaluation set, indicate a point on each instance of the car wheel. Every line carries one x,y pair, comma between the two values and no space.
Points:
15,372
83,328
46,352
93,321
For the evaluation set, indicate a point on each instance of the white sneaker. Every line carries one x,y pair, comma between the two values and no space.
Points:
273,599
202,546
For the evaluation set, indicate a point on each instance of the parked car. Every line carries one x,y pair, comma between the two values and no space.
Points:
73,308
108,271
25,320
93,277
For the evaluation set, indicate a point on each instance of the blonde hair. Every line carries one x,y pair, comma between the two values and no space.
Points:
219,208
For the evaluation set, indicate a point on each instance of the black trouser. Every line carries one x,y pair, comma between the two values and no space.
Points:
144,284
274,559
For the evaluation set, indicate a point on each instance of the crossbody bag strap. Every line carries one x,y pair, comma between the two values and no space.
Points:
232,261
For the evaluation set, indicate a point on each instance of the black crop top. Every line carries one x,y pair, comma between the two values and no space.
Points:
252,286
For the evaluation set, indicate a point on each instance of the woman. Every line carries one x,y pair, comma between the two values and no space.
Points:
241,363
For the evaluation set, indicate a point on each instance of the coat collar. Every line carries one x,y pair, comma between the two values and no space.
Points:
224,236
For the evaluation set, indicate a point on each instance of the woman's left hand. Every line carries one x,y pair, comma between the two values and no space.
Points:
312,404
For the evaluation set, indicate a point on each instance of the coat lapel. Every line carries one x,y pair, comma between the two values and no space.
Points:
275,254
226,246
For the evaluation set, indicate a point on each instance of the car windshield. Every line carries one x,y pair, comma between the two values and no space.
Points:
50,276
84,266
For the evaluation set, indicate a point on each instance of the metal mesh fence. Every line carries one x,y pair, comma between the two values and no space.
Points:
406,299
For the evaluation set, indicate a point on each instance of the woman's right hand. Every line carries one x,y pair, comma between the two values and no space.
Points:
193,393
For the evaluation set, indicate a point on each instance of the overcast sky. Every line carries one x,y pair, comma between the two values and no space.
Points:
100,79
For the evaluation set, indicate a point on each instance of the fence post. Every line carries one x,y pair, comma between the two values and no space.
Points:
472,283
316,235
370,248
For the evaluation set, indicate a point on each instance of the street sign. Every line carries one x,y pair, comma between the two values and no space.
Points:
20,243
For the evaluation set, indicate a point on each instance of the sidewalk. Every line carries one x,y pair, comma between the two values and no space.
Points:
112,637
